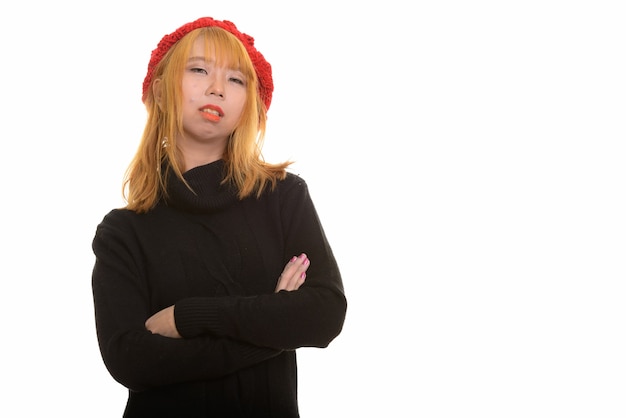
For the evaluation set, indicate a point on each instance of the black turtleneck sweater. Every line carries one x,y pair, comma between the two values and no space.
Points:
217,259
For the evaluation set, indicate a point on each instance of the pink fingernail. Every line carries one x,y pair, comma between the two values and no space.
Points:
303,275
293,259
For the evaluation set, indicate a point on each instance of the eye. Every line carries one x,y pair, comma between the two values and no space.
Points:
237,80
198,70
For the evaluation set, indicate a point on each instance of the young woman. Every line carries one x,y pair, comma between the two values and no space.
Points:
218,268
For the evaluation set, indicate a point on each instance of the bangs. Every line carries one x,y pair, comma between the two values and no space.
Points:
226,50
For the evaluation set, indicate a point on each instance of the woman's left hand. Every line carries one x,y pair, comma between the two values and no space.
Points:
293,274
163,323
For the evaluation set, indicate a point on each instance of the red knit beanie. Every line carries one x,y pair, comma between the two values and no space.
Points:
261,66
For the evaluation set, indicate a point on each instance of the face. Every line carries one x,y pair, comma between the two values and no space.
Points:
213,99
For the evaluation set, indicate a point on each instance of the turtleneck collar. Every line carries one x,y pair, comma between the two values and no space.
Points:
208,194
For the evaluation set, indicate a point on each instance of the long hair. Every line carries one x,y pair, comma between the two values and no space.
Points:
158,156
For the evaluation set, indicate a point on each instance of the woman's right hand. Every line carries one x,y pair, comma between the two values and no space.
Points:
293,274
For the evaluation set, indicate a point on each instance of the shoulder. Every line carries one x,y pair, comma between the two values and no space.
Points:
291,181
291,185
286,190
130,219
125,221
115,223
118,217
292,190
127,228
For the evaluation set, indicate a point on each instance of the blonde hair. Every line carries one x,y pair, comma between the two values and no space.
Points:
144,181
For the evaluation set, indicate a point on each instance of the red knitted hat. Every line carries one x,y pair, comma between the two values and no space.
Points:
261,66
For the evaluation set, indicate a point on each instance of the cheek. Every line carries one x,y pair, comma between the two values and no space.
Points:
241,101
191,92
192,97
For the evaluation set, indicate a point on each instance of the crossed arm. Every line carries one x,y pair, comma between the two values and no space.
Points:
292,277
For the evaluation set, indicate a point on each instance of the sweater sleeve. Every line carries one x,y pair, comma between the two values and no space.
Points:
135,357
311,316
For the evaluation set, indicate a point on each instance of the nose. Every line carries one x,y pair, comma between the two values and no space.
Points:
216,85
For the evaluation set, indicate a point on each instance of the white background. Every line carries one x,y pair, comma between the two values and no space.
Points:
466,159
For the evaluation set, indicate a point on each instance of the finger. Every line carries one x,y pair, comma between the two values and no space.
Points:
300,280
299,276
292,276
284,276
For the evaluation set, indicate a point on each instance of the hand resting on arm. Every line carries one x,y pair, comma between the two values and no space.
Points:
291,279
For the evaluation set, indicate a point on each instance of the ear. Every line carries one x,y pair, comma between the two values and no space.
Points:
157,92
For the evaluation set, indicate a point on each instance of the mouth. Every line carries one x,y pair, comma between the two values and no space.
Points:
212,113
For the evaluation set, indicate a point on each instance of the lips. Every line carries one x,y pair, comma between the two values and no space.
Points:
212,112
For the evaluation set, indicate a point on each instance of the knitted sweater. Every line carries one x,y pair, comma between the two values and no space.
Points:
217,259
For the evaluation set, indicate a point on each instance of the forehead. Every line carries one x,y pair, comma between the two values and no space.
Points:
201,46
222,51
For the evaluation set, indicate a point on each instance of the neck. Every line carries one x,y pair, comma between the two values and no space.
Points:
196,154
